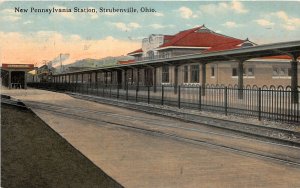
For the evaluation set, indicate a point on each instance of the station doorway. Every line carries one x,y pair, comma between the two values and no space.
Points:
18,79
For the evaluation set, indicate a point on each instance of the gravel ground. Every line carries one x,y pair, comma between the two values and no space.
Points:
258,128
252,120
33,155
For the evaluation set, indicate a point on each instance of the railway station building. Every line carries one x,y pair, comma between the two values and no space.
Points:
199,69
199,57
268,71
15,75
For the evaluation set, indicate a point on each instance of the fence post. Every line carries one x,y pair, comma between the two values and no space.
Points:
200,94
136,93
225,100
259,104
97,85
126,85
110,85
118,91
162,95
103,87
148,94
92,89
179,96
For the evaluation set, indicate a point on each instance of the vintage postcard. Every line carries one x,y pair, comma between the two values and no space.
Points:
150,93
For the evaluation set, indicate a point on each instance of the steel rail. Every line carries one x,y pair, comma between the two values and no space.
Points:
174,136
216,122
122,117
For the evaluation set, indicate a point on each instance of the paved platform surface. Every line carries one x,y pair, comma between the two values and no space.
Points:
137,159
34,156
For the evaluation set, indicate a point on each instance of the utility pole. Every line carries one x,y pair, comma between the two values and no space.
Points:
61,68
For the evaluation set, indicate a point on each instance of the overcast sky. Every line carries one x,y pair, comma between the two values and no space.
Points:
36,37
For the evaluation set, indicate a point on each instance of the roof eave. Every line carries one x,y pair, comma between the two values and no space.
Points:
186,47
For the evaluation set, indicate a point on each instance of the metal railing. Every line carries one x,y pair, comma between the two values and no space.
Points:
263,103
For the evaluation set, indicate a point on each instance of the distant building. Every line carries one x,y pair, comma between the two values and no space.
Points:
15,75
44,73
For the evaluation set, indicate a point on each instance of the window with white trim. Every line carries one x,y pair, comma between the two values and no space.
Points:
165,74
281,72
194,73
248,72
186,74
234,72
212,68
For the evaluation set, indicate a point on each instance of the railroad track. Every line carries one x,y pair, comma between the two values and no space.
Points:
264,133
118,120
120,117
96,116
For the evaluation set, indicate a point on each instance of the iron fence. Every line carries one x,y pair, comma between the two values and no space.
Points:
264,103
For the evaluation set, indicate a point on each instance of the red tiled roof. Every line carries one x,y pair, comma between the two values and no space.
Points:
192,38
210,39
127,61
224,46
277,57
167,38
136,51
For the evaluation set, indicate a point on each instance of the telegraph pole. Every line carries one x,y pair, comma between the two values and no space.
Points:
61,68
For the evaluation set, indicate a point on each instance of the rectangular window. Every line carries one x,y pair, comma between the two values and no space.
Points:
186,74
194,73
165,74
275,71
281,72
213,71
250,71
234,71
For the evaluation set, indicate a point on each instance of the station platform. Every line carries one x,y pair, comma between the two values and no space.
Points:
140,159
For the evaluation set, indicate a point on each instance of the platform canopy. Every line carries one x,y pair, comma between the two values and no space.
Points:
291,49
